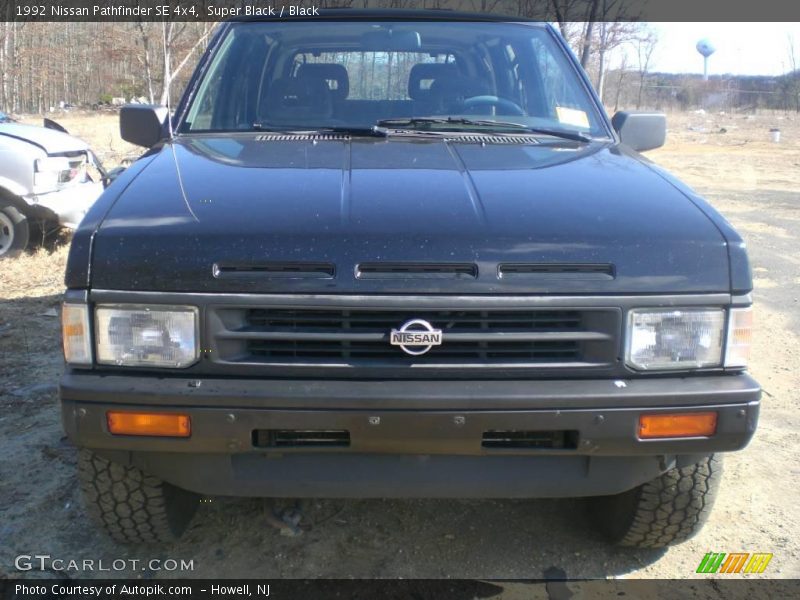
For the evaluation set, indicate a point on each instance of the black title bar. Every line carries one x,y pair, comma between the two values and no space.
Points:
546,10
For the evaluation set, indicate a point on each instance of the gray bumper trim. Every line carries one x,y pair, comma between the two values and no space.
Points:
418,448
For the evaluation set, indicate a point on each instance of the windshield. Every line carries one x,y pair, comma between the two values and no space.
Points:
331,74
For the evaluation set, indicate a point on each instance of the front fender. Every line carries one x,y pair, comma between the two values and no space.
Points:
14,188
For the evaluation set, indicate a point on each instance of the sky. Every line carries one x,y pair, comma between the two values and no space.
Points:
741,48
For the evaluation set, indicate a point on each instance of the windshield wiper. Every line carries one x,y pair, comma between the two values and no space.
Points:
373,131
518,127
412,121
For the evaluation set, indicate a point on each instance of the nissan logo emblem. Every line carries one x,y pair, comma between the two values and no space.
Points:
416,337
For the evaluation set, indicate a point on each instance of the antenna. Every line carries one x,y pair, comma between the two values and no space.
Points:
706,48
166,75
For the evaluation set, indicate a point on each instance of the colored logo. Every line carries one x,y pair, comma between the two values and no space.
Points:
735,562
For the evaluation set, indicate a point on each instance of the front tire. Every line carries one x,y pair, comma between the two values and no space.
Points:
666,511
130,505
14,230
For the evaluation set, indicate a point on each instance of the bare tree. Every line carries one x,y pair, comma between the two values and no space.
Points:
793,76
611,35
171,35
568,14
622,72
645,47
145,32
588,33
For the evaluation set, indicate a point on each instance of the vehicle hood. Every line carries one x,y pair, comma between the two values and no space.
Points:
248,201
49,140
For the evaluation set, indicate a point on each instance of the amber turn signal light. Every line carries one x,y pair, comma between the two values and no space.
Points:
698,424
143,423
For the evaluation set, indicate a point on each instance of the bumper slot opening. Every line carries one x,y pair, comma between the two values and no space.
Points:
301,438
515,439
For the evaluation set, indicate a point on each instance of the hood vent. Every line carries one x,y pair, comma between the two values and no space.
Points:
416,270
556,271
302,137
290,270
493,139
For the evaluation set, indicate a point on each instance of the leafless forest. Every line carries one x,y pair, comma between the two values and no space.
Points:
46,65
43,64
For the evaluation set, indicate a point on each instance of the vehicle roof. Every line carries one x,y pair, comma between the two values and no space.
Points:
348,14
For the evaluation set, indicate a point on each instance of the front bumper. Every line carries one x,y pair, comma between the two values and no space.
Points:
408,438
68,205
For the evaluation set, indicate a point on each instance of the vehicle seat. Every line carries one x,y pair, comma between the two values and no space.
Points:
296,100
334,75
421,80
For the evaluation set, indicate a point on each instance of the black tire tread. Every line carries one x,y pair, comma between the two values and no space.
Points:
668,510
131,506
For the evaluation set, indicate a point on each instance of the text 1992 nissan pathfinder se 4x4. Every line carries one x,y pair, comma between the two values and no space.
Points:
402,255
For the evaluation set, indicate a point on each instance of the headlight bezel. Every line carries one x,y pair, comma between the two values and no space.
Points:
723,313
739,337
153,310
76,334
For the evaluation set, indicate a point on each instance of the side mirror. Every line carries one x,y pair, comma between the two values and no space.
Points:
142,124
640,130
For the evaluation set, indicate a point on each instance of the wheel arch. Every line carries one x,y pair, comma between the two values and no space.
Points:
12,193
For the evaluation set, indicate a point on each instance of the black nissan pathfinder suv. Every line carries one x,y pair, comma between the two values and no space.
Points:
402,255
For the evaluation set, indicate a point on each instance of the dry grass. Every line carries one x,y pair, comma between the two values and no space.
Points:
39,272
732,152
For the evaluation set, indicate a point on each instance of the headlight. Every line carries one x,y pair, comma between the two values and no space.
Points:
54,172
675,338
47,172
146,336
75,334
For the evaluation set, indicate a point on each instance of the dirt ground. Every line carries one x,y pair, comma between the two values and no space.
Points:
729,158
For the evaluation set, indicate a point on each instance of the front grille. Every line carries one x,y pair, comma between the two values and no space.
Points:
533,351
538,320
360,337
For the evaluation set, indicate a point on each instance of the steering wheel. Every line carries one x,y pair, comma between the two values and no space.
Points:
509,107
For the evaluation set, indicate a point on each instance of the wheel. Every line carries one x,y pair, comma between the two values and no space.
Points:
130,505
14,230
505,106
665,511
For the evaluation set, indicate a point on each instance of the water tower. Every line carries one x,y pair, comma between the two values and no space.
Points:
705,48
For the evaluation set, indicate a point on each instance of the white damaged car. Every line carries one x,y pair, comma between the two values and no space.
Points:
45,180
